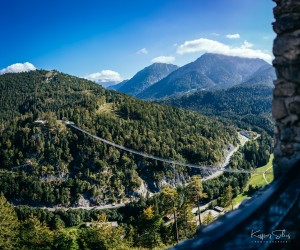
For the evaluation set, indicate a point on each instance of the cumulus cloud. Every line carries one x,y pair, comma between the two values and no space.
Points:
210,46
163,59
233,36
143,51
17,68
246,45
105,76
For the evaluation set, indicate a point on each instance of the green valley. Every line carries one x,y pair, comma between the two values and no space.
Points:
45,163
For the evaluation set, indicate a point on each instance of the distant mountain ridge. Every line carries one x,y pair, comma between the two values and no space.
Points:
146,77
263,76
211,71
117,86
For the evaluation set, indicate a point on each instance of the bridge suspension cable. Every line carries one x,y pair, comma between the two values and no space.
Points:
143,154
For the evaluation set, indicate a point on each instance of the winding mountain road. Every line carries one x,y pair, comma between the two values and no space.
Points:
225,164
169,161
108,206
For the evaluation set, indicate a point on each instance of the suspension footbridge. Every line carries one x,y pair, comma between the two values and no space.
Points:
169,161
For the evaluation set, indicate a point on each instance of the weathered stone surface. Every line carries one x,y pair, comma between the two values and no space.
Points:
285,89
279,110
291,99
290,120
288,46
297,134
286,134
286,102
286,162
276,130
296,146
286,23
287,149
278,82
294,107
277,150
286,9
286,4
289,72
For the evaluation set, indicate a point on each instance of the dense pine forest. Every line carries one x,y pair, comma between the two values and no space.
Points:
46,163
147,223
247,106
64,164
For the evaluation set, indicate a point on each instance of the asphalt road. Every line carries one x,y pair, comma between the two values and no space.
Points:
109,206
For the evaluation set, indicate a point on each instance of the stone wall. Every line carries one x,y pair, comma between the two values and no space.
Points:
286,95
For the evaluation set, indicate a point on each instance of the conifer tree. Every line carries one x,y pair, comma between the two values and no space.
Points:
227,197
8,225
35,235
196,193
169,198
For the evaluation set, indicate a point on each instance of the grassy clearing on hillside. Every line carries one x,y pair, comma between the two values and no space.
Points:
106,108
257,180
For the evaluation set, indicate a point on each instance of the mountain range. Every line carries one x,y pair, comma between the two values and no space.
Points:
235,89
208,72
146,77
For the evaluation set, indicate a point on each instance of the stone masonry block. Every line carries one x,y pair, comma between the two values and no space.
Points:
279,110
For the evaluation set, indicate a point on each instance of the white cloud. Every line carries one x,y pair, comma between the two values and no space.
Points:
163,59
210,46
215,34
17,68
104,76
233,36
143,51
246,45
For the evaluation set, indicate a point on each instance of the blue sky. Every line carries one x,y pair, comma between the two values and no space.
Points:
116,38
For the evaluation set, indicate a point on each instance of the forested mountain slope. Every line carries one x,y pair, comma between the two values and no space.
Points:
65,165
246,105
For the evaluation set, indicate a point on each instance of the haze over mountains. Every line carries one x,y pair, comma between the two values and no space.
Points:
209,72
